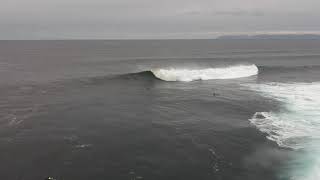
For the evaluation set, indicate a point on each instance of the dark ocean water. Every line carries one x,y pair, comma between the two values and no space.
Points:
94,110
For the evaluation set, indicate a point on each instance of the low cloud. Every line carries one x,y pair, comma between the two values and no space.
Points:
113,19
235,13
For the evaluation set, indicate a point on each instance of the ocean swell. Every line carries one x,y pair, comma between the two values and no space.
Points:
187,75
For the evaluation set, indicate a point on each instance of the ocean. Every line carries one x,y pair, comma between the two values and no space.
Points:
160,110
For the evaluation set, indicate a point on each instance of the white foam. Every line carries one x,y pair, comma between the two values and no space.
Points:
298,120
231,72
296,125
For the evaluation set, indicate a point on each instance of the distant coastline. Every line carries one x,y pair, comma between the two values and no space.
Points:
272,36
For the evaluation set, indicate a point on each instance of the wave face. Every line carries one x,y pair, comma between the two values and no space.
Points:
296,125
188,75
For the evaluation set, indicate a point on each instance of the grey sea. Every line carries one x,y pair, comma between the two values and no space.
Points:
160,110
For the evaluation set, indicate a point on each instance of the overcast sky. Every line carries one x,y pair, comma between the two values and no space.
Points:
122,19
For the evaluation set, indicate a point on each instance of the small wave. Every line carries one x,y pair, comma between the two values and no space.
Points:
187,75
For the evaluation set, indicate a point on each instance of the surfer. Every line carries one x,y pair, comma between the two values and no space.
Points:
214,93
50,178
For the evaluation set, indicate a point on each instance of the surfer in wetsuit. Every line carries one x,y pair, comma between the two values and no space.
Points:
50,178
214,93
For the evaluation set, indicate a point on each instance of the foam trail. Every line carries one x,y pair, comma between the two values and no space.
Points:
295,126
188,75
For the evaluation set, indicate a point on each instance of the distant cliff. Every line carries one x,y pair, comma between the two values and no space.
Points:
268,36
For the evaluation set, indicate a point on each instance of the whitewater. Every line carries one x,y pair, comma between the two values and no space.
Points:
187,75
296,125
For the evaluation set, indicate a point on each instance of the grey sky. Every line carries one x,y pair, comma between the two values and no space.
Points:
121,19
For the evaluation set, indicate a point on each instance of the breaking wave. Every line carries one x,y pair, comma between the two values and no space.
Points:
296,125
187,75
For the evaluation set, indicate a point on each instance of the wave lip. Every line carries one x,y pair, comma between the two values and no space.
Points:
187,75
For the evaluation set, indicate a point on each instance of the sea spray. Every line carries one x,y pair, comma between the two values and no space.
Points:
187,75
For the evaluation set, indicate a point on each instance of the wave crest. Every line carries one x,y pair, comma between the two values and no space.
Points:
187,75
